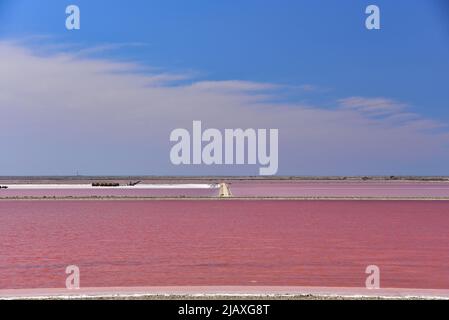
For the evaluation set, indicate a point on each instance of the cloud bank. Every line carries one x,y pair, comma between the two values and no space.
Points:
64,113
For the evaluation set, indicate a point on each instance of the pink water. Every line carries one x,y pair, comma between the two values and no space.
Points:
340,189
152,243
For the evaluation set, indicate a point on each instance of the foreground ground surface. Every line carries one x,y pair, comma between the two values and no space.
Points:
224,293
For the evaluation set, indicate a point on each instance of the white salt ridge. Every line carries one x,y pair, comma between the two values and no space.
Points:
89,186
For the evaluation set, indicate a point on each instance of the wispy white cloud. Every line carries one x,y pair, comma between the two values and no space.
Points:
310,88
233,85
389,111
107,47
372,106
61,113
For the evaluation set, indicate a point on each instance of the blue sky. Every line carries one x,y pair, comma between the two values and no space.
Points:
291,42
318,51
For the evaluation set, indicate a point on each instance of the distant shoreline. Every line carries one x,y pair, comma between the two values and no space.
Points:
213,179
255,198
130,188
